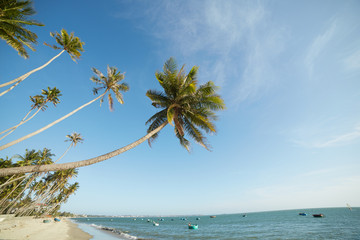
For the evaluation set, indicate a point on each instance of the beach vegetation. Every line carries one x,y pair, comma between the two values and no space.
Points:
36,193
14,19
111,83
184,104
49,95
69,43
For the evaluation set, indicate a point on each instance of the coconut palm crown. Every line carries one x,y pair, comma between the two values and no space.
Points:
74,138
184,104
69,43
13,20
111,82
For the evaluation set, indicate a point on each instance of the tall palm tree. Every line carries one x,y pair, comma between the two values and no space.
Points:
13,21
184,103
109,83
39,103
74,139
66,42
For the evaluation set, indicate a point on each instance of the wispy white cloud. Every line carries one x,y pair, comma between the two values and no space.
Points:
331,141
232,41
352,62
318,46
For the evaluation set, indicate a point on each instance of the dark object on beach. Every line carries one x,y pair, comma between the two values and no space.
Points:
56,219
212,216
302,214
46,221
320,215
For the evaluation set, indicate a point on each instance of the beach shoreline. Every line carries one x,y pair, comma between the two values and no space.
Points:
19,228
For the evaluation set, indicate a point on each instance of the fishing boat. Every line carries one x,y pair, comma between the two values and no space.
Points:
156,224
197,218
302,214
195,226
320,215
212,216
349,207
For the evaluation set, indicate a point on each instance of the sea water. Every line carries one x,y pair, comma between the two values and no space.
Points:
337,223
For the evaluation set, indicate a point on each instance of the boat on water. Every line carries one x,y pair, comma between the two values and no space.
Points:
156,224
302,214
320,215
212,216
349,207
197,218
195,226
244,215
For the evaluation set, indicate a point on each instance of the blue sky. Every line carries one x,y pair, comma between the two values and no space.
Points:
289,73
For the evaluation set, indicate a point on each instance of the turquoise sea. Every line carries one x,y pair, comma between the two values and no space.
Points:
337,223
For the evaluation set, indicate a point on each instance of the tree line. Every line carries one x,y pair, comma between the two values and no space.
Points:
184,104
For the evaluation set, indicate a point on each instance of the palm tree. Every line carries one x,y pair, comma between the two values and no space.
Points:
39,103
64,195
13,21
68,43
184,103
34,158
74,139
109,83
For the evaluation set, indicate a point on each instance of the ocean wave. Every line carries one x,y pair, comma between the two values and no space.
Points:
115,231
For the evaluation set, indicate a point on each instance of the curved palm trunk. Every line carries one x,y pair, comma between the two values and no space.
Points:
14,202
24,120
49,125
64,166
11,181
2,202
23,77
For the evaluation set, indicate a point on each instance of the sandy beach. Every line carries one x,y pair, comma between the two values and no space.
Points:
22,228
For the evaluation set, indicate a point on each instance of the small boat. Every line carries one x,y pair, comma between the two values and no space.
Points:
212,216
156,224
244,215
349,207
318,215
302,214
46,221
197,218
195,226
56,219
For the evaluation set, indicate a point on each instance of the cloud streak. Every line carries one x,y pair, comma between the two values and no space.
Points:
232,41
318,46
338,140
